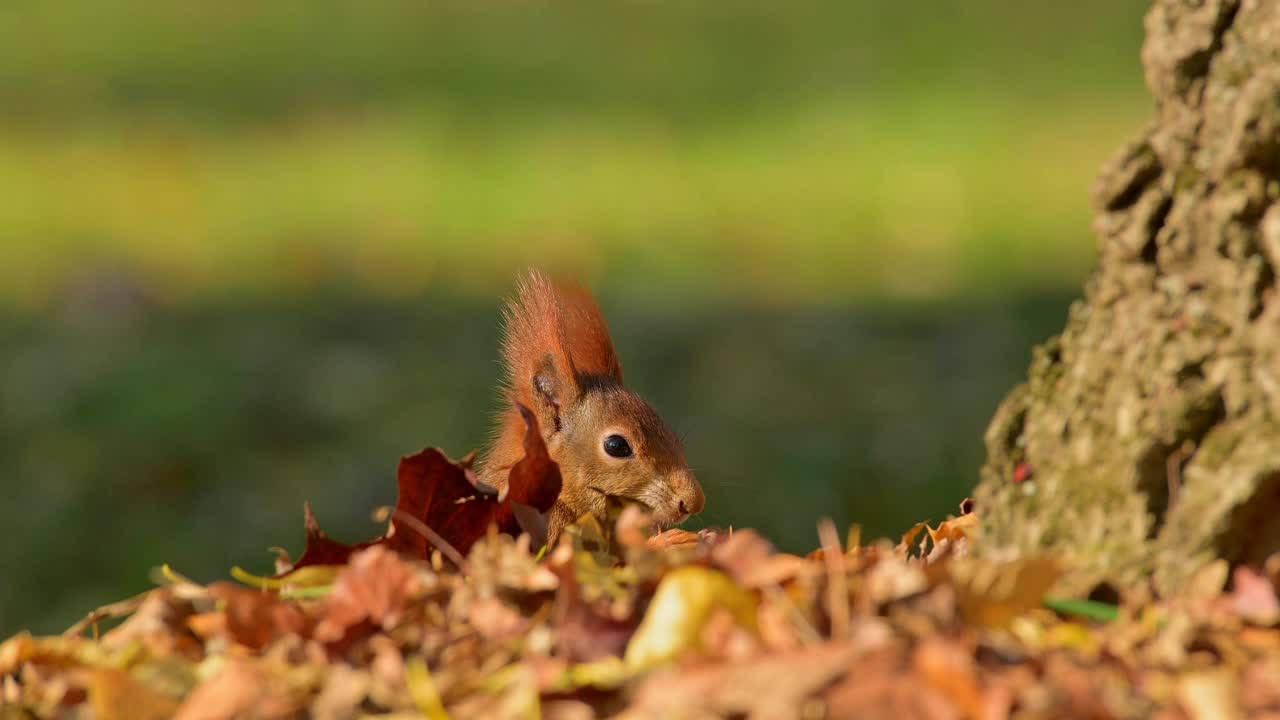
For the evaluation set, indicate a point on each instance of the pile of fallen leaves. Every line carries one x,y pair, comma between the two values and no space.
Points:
457,613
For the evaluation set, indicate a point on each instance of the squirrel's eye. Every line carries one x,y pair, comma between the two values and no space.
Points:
617,446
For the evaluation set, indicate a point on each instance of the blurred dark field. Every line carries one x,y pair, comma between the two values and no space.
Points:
192,436
250,256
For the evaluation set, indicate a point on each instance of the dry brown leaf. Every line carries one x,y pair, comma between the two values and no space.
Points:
585,630
878,687
1260,686
1212,695
751,561
633,527
741,552
951,536
776,686
374,589
777,629
779,569
724,639
991,594
254,618
156,623
1253,597
116,695
208,625
567,709
1208,581
387,672
675,537
909,537
947,638
240,691
15,652
495,620
892,579
344,689
1077,691
949,667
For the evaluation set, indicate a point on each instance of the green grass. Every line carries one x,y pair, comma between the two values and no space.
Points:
830,151
928,200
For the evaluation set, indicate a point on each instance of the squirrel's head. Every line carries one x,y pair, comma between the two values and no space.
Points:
607,440
611,443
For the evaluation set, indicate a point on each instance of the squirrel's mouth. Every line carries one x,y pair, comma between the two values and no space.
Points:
662,519
614,502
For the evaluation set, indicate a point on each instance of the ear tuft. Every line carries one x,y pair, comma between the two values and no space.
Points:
587,333
534,330
555,340
548,389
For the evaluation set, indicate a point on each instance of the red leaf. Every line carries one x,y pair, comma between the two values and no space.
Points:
534,482
448,498
445,496
320,548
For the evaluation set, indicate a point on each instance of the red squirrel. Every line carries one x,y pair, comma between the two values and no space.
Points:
559,361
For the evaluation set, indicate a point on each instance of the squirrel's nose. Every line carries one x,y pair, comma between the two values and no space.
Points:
688,493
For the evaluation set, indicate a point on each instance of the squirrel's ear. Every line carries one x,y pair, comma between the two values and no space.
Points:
553,389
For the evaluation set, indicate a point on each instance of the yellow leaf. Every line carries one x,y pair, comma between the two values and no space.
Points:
605,674
992,594
680,608
310,576
1072,636
423,690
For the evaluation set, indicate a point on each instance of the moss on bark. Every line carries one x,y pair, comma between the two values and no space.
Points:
1151,424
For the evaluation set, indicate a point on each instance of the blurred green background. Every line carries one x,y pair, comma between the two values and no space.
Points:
252,253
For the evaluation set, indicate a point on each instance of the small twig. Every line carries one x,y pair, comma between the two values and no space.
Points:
432,536
837,583
116,609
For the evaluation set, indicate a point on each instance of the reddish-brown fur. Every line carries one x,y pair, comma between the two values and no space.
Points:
560,362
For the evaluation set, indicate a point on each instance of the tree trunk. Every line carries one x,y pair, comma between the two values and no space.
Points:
1146,439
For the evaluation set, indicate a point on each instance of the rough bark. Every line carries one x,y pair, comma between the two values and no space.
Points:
1151,425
